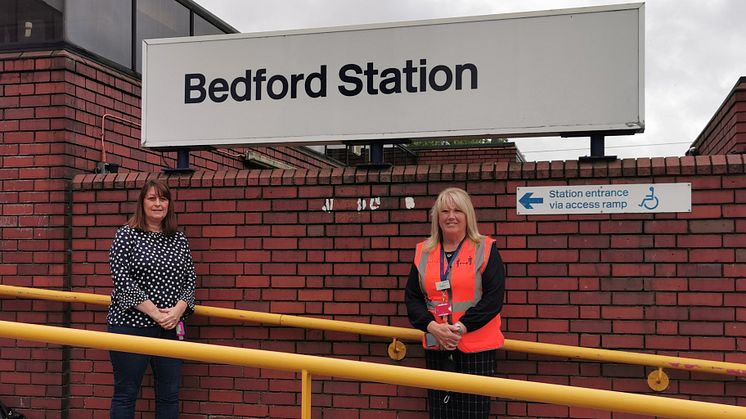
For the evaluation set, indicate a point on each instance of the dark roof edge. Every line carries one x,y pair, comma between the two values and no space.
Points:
698,141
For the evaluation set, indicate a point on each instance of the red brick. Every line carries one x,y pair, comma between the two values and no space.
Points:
552,326
621,256
557,228
629,241
589,269
701,328
712,255
548,242
219,231
589,242
611,312
700,270
701,299
546,269
711,226
699,240
625,270
711,284
667,342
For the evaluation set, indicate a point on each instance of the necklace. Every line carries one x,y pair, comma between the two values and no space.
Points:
453,246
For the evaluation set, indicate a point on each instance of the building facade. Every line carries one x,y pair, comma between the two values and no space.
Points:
312,237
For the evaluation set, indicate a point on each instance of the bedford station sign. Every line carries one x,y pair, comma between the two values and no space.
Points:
522,74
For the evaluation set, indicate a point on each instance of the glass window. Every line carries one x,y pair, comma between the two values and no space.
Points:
159,19
103,27
30,22
203,27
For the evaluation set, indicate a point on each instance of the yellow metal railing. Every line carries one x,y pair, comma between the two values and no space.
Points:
396,350
657,379
309,365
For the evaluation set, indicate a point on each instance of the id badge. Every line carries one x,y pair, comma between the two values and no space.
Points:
443,309
430,340
180,330
443,285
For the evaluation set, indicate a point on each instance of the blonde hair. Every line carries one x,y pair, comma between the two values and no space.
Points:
457,198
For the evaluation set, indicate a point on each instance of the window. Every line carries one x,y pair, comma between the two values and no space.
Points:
159,19
103,27
30,22
203,27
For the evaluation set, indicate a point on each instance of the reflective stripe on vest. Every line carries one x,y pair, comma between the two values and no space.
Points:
487,337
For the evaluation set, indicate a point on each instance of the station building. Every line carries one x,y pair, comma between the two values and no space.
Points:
291,230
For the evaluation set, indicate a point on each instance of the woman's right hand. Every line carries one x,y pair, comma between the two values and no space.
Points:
171,316
447,335
154,313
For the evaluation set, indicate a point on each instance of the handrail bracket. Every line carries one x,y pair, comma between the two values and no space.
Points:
397,350
658,380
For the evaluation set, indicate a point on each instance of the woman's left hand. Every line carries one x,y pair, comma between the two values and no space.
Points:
172,315
446,334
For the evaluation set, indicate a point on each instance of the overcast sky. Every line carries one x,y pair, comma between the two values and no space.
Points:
694,54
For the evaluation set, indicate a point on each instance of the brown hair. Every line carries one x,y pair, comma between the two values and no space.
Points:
138,221
457,198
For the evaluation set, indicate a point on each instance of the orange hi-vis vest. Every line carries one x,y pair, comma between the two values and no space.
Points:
465,291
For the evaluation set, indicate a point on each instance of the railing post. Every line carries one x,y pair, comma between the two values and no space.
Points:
305,395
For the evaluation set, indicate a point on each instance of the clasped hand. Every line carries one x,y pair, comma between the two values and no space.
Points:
169,317
166,318
447,335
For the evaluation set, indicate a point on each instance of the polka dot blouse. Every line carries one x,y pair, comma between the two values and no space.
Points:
148,266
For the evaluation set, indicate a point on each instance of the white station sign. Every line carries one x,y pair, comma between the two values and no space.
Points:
604,199
521,74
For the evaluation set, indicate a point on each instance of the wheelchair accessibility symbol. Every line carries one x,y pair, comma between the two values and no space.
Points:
650,201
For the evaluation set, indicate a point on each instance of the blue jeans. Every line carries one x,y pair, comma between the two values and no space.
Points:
130,368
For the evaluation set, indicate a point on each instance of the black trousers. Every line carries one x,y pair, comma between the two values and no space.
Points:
129,370
450,405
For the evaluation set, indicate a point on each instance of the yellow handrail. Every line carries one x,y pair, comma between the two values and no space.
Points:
537,348
624,357
382,373
229,313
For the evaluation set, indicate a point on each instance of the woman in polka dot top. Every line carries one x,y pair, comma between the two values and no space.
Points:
154,280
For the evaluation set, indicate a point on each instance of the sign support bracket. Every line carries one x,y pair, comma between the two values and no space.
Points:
598,141
182,163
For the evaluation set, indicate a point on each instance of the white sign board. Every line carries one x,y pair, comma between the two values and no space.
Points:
521,74
604,199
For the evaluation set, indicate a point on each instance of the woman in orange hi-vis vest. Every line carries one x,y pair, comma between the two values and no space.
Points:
455,294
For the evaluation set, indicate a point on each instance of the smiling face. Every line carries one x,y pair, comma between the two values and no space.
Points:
452,222
156,208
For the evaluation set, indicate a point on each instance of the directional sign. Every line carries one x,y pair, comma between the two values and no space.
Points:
605,199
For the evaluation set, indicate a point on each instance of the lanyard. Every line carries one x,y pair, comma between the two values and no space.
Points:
445,273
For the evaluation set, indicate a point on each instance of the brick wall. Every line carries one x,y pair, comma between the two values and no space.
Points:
61,97
272,241
726,131
51,109
506,152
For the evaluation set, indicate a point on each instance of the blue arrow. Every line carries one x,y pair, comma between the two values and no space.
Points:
526,200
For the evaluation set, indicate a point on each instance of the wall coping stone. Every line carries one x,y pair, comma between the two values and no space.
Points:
461,172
